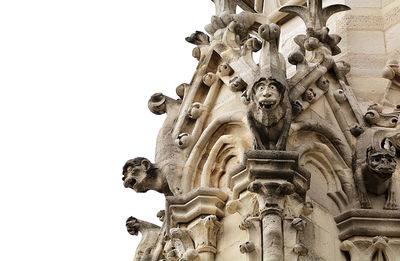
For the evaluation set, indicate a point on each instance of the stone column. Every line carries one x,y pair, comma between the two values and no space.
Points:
272,194
276,175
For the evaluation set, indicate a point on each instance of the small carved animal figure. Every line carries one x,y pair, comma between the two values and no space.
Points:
269,114
141,175
149,233
374,173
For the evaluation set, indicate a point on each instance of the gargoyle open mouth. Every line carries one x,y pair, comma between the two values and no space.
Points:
129,182
386,172
133,229
267,104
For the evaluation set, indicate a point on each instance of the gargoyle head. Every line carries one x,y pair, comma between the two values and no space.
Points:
132,225
139,174
267,93
381,160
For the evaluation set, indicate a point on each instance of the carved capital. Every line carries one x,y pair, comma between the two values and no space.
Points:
204,232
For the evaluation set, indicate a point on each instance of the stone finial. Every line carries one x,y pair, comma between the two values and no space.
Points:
314,16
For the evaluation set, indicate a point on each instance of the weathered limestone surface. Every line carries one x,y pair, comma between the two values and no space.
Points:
290,156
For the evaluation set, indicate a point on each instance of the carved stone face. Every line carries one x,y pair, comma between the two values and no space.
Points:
266,94
136,173
132,225
383,164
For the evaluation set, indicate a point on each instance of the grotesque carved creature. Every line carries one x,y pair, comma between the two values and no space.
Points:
373,172
141,175
309,95
268,115
150,233
198,38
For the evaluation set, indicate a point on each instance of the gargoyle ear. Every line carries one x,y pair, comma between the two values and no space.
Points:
146,164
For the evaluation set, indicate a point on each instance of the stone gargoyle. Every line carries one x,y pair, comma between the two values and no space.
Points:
150,233
267,115
373,171
141,175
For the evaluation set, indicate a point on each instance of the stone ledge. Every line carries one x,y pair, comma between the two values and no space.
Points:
203,201
368,222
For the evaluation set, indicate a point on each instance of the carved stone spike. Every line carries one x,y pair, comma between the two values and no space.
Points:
247,247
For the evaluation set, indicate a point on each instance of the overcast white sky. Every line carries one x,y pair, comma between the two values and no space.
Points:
75,78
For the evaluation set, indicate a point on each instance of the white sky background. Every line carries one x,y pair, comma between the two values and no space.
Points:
75,78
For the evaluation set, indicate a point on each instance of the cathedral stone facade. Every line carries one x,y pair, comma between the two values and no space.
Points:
286,144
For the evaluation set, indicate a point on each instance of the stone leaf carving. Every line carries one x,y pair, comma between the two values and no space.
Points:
375,117
183,244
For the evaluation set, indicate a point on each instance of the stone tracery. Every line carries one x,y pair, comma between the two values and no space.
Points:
269,165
